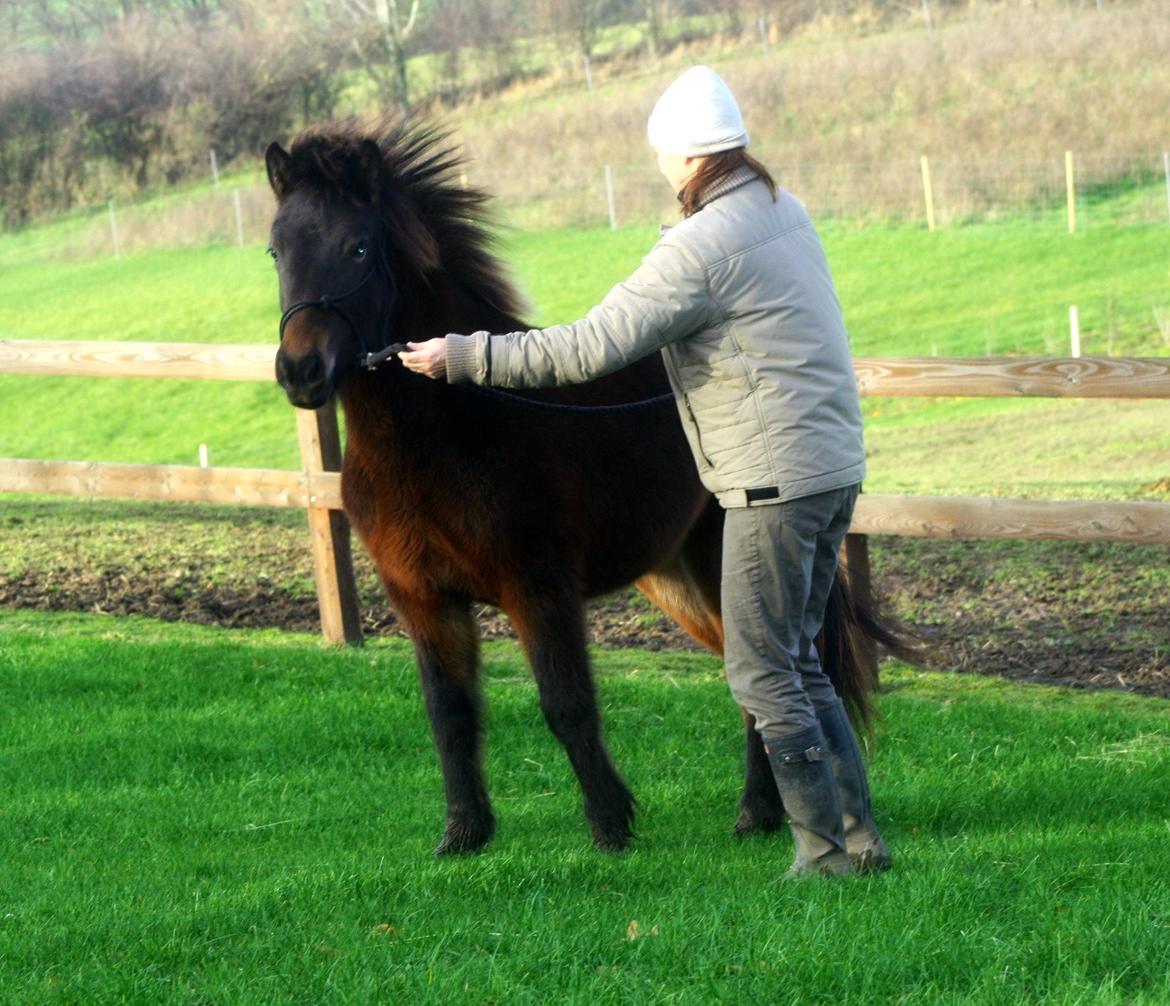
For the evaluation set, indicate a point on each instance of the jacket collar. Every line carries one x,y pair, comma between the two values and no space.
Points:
739,177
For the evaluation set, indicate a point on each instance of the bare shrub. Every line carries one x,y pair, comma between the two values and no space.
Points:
994,100
120,90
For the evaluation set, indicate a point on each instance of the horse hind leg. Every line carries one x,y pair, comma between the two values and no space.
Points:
760,806
446,645
687,588
552,633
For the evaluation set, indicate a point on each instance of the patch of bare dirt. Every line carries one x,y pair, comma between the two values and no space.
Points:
1081,616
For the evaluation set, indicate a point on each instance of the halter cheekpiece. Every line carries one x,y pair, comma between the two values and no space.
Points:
368,358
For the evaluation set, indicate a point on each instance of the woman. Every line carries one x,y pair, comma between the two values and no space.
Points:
739,299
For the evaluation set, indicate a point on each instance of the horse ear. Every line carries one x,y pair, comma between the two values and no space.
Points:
278,161
370,159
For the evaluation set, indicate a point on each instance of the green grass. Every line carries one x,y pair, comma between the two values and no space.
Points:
204,816
990,288
979,290
213,294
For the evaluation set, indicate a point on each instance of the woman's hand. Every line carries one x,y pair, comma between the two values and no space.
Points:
428,358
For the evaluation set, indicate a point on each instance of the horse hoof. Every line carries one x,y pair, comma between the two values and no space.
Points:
614,838
460,839
612,843
754,821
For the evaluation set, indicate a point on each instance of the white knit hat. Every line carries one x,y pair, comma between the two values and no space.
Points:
697,115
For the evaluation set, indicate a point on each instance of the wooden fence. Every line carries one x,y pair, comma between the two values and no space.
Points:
316,487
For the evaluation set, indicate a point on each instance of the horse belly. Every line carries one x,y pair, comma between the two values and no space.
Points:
641,502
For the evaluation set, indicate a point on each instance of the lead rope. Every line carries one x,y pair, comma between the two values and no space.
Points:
371,361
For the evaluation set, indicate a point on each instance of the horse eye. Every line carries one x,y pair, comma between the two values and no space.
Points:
359,251
272,253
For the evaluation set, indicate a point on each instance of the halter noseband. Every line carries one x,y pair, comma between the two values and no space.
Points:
366,358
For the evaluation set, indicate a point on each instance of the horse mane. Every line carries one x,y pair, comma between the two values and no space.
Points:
435,222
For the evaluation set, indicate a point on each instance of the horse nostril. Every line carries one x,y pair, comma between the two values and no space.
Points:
282,367
303,378
312,369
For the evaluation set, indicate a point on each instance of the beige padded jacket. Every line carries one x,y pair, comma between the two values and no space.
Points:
739,299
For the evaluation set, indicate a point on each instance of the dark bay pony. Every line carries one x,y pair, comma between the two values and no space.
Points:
461,495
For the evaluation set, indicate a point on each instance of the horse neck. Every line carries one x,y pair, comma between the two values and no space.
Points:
453,308
390,410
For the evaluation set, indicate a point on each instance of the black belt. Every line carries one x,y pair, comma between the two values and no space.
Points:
757,495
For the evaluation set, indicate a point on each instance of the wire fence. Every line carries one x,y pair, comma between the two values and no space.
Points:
1105,189
1080,190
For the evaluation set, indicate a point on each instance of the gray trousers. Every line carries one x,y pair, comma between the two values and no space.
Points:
779,561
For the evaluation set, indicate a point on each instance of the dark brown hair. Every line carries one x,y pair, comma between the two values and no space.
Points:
712,170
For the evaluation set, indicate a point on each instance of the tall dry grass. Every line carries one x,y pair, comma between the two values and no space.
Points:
994,99
840,114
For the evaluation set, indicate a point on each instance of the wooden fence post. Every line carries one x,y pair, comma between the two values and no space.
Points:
927,192
855,565
332,558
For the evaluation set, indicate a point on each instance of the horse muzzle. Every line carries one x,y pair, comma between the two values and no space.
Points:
307,379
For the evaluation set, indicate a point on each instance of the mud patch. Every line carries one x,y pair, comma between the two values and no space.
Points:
1084,616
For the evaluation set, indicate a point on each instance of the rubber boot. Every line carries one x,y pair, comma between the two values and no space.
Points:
805,781
867,851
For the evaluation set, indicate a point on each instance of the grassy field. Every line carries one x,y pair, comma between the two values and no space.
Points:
194,815
202,816
1002,288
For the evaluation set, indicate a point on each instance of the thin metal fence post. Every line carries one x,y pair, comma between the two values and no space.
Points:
609,198
1071,191
1166,169
214,168
114,231
239,218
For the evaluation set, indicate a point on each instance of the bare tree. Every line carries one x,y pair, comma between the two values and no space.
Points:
122,96
449,29
579,21
732,13
393,23
482,33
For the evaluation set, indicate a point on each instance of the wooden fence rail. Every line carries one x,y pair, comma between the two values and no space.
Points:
316,488
893,377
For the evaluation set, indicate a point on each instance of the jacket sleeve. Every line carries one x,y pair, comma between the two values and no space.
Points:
665,299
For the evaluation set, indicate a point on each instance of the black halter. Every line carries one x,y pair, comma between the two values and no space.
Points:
370,359
366,358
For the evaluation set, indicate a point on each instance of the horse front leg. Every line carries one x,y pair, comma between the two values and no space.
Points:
446,645
553,636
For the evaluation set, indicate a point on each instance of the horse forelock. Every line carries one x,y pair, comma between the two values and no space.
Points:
437,221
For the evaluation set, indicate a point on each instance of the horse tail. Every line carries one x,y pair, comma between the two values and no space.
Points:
855,629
